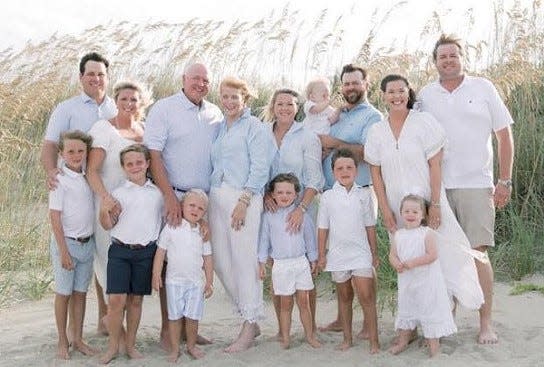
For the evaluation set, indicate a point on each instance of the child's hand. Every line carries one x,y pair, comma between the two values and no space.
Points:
66,260
321,263
262,271
375,261
157,282
208,290
313,268
334,116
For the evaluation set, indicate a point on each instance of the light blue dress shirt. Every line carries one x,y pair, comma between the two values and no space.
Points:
184,132
352,127
277,243
78,113
240,154
300,154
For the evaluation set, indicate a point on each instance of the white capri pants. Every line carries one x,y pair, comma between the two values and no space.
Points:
235,252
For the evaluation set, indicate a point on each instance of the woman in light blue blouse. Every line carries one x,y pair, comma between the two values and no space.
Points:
298,151
241,163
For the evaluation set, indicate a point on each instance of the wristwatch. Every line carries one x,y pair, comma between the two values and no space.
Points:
505,183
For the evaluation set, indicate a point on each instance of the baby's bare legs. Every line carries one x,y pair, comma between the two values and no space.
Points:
434,346
345,300
191,328
304,308
61,316
366,293
402,342
174,331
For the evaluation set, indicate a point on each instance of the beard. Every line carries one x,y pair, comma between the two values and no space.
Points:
353,97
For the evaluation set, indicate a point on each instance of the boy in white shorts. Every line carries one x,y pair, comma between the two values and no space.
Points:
294,255
188,254
134,234
346,212
71,211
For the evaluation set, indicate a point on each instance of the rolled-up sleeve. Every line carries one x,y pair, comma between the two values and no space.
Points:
156,129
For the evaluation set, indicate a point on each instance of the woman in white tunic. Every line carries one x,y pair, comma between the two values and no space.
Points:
104,171
405,152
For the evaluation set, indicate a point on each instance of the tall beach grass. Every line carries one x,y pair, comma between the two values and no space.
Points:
277,50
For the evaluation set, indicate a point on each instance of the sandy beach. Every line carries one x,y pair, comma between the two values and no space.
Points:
28,337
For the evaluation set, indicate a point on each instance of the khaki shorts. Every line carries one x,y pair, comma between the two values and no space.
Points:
475,212
344,276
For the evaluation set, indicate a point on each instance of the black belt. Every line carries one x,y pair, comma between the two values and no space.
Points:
132,246
81,240
179,190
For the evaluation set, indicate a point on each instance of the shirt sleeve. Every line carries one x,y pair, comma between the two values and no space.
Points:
309,238
206,248
500,116
307,106
99,132
164,238
59,121
369,218
56,197
323,214
372,146
312,170
264,240
372,119
156,129
434,136
259,141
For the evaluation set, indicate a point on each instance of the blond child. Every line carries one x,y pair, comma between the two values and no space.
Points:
346,213
187,254
71,212
317,109
134,234
294,256
422,295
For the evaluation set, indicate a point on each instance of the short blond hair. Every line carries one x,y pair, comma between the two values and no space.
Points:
316,82
447,39
239,84
75,135
145,95
196,192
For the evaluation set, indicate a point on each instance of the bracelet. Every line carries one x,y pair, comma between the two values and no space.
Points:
435,204
303,207
244,200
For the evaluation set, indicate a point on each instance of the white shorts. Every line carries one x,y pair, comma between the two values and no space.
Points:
345,275
290,275
186,300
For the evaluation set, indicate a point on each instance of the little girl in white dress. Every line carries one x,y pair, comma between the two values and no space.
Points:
422,295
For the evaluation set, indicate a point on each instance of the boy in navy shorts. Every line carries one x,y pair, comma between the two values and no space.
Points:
134,234
71,211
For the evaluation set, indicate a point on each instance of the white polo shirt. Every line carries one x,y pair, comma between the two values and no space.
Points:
141,212
469,115
346,215
74,199
184,248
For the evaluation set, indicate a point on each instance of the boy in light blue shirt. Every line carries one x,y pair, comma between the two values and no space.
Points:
292,253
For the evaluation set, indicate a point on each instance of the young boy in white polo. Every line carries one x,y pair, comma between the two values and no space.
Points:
186,285
134,234
71,211
292,253
346,213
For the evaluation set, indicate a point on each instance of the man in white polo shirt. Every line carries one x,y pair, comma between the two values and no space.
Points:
471,112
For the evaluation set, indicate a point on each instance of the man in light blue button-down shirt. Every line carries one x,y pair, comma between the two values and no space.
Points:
351,129
79,112
180,130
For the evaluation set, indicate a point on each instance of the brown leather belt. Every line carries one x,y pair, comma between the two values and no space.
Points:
132,246
81,240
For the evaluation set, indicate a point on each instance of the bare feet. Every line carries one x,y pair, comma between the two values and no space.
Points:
101,329
133,353
314,342
344,346
195,352
245,340
398,348
434,347
201,340
173,356
108,356
85,349
487,336
62,350
284,344
374,348
413,338
333,326
363,335
164,342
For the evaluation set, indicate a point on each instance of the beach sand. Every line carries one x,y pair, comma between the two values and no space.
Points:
28,337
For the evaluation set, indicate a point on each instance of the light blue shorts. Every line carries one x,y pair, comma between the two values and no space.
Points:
185,300
79,278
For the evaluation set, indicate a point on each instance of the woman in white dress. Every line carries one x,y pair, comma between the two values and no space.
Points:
104,171
405,153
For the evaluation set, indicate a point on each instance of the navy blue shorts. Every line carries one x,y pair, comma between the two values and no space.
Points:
130,270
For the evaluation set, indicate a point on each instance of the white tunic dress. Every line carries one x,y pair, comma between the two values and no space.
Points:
422,296
405,170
